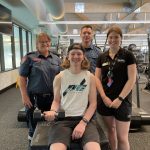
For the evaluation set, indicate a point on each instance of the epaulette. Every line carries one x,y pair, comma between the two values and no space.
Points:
33,52
55,53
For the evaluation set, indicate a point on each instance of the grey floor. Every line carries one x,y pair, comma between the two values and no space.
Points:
141,140
13,134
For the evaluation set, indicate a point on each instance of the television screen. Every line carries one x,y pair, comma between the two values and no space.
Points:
5,20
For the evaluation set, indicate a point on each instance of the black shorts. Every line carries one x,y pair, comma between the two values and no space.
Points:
61,132
123,113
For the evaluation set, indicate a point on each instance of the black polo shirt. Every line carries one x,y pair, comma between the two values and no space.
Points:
120,74
40,71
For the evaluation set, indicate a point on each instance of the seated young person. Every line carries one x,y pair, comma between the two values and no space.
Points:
75,92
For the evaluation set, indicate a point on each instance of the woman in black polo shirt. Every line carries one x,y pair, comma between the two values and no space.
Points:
116,69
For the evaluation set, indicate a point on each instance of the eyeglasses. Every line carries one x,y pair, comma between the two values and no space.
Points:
44,42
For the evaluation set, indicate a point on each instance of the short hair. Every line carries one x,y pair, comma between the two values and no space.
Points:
39,36
116,29
86,26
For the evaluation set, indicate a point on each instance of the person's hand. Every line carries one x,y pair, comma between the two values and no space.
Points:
116,103
26,101
107,101
79,130
49,115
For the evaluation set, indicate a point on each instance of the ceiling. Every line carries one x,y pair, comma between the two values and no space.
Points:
41,15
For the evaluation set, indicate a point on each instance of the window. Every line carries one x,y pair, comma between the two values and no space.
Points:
0,67
30,41
7,52
17,45
24,42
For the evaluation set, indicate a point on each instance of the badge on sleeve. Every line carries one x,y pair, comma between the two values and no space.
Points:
23,59
36,59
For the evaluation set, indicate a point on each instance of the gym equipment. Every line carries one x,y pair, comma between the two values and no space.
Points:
148,67
38,116
40,138
139,118
132,47
22,115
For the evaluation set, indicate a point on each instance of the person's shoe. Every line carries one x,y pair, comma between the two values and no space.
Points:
29,138
29,146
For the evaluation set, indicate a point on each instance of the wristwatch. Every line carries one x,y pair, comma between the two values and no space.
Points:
120,98
85,120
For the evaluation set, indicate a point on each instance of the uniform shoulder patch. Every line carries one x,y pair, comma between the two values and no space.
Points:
36,59
31,53
24,59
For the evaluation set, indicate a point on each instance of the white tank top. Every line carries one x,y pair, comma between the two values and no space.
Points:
74,92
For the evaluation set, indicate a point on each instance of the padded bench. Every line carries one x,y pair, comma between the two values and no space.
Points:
40,138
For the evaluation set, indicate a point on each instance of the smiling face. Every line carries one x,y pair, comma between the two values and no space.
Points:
75,56
43,43
86,35
114,40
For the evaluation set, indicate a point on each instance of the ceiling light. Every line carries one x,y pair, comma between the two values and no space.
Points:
97,22
5,22
79,7
102,35
75,31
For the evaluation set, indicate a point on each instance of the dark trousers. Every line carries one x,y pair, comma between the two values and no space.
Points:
43,102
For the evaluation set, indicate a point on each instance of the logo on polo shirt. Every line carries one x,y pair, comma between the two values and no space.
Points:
121,60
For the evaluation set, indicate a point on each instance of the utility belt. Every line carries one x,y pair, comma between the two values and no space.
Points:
42,101
41,94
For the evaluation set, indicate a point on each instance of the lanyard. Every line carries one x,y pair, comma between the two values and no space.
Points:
110,72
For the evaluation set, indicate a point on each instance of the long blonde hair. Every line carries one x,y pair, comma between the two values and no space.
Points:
85,63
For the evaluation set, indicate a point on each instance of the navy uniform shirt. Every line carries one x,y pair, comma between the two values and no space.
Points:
92,54
119,70
40,71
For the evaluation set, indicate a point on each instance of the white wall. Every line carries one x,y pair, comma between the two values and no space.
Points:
8,78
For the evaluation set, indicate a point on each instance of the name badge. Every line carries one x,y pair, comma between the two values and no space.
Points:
105,64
